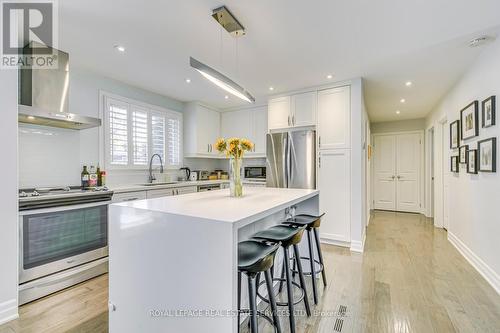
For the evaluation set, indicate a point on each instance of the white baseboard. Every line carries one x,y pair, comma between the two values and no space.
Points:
486,272
335,242
358,246
8,311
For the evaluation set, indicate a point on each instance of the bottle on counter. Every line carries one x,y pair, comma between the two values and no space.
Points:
92,177
99,176
85,177
103,178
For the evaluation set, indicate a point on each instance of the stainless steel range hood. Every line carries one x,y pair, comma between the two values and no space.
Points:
43,96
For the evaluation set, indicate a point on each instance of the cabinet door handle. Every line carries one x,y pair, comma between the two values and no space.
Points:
393,177
319,141
130,199
288,120
293,120
399,177
319,162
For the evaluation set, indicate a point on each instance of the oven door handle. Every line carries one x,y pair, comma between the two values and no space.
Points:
63,208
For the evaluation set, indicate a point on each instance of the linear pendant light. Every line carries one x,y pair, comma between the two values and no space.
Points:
221,80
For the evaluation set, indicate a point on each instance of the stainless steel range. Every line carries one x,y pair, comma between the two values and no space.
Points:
63,238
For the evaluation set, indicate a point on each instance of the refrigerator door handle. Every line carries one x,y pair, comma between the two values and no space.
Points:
285,161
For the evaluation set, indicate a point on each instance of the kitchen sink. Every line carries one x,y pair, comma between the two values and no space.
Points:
159,183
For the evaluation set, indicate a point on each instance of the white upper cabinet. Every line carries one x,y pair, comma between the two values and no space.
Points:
279,113
334,113
250,123
259,130
293,111
201,130
236,124
303,108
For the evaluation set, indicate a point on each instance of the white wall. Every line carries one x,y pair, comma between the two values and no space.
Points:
474,223
398,126
8,200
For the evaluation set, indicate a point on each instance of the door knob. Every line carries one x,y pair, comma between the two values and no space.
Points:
399,177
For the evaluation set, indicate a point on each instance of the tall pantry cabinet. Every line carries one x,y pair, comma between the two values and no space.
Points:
334,163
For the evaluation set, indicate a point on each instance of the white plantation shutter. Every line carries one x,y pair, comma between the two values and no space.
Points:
118,132
134,132
140,136
158,136
173,139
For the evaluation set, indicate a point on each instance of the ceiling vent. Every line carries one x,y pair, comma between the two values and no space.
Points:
480,41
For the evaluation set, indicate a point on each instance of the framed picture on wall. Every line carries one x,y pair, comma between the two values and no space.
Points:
488,108
454,134
487,151
472,161
469,121
454,164
463,153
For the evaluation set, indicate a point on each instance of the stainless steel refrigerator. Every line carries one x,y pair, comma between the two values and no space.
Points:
291,159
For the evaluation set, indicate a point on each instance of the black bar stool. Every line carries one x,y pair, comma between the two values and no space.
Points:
311,223
254,258
287,236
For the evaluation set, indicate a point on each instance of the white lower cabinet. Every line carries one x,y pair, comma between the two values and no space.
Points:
129,196
335,194
171,191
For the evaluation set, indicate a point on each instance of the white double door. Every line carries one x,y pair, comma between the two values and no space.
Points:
397,172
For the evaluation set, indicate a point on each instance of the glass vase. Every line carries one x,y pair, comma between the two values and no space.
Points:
235,185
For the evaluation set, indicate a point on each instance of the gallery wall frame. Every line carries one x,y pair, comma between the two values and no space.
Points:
472,161
469,121
462,153
455,134
487,153
454,164
488,112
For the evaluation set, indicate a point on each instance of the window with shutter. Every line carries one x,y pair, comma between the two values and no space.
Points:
173,139
118,132
134,131
140,136
158,136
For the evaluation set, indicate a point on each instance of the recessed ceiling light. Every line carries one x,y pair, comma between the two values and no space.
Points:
409,83
398,112
226,97
31,118
403,100
188,80
120,48
329,76
271,88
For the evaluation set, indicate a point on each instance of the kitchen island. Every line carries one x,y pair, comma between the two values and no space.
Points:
173,260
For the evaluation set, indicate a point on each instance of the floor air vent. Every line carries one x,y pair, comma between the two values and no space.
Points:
341,317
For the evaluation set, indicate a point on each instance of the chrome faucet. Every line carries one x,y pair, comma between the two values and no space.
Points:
151,177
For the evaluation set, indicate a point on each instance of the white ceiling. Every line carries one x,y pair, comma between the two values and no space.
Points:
290,44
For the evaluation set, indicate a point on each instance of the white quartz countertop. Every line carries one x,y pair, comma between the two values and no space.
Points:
219,206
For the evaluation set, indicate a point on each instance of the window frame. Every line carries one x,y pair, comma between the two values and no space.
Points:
104,134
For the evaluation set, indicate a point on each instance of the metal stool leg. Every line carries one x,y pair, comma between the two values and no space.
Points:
289,290
272,300
320,255
282,278
239,300
313,272
252,296
301,277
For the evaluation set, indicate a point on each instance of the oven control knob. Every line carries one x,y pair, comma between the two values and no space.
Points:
35,194
23,194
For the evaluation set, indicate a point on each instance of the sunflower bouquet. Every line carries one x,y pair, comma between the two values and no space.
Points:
234,148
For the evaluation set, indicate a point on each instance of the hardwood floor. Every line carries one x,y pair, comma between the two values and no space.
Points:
409,279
